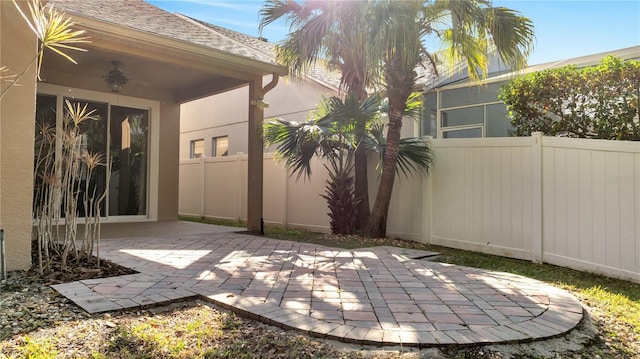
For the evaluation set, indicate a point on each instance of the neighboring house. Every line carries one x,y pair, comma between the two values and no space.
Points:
168,60
458,108
217,125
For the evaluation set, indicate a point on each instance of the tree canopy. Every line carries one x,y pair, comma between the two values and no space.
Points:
382,42
593,102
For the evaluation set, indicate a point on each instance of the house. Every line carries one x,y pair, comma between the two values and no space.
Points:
168,60
458,108
216,125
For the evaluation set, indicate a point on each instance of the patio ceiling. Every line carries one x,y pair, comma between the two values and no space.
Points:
148,78
181,64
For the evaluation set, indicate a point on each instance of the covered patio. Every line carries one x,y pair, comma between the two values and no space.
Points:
373,296
162,60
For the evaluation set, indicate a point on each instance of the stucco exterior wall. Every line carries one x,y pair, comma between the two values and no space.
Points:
169,164
227,114
17,113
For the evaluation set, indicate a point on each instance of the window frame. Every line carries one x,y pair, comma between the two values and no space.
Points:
192,148
439,130
214,146
153,134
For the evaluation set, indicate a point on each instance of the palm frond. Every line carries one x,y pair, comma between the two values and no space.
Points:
414,106
297,143
414,156
53,30
273,10
77,113
512,34
470,29
3,71
328,132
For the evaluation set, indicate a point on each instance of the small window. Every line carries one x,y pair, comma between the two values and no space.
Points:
220,146
462,116
498,122
474,132
197,148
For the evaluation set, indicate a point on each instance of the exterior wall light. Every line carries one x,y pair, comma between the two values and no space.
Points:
116,78
259,103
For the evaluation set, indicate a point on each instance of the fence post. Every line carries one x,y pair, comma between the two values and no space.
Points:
285,212
203,185
537,230
241,185
426,200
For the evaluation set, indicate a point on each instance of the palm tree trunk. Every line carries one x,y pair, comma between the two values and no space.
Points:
377,226
361,187
360,167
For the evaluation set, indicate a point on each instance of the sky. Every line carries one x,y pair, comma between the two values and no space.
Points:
563,28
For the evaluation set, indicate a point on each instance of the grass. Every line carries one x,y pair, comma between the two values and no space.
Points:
184,330
614,303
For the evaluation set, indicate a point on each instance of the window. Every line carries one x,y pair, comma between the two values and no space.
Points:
471,95
473,132
462,116
197,149
498,121
220,146
465,112
430,115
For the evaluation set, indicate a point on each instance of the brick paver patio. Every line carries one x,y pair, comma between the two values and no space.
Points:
377,296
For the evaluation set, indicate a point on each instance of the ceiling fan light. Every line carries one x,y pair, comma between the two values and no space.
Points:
116,78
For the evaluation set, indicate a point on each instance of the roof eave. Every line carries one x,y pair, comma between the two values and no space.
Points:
249,66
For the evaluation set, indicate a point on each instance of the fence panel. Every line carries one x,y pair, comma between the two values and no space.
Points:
408,216
482,195
190,188
592,205
305,208
275,192
569,202
224,185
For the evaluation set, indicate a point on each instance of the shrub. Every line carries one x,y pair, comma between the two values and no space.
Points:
595,102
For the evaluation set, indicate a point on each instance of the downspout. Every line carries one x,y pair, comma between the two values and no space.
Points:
274,81
3,257
272,84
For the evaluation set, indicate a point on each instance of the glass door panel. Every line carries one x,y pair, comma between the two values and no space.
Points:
128,130
45,146
93,132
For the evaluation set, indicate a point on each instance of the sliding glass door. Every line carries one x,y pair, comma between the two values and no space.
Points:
120,135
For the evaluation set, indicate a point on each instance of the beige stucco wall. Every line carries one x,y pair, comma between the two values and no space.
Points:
17,113
169,165
226,114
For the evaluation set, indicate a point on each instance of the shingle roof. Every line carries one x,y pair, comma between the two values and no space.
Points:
141,16
629,53
265,47
316,72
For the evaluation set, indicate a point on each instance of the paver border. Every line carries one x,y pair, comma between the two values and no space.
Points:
562,313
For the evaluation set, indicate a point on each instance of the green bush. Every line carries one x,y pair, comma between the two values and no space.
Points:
594,102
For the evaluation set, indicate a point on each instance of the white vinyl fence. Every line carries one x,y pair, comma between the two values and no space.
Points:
569,202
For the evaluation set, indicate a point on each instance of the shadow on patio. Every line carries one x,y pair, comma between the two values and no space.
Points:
376,296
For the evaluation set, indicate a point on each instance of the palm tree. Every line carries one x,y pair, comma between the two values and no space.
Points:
467,28
326,30
385,38
330,135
